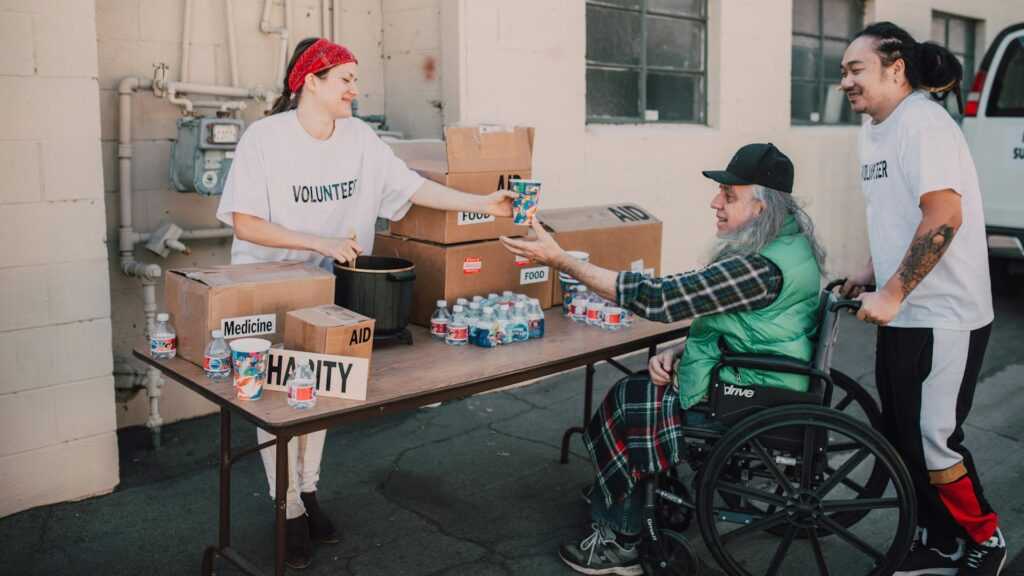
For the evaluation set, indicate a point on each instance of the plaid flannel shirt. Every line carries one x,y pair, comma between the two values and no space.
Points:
736,283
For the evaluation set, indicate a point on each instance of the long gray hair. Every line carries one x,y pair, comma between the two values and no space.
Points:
765,227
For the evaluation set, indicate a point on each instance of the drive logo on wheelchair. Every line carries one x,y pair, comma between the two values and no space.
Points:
738,391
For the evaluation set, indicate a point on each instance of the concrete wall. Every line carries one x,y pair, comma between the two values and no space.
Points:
57,426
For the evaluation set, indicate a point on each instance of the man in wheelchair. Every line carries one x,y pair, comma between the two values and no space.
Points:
759,294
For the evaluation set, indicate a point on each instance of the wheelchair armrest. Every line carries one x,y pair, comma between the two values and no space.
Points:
770,362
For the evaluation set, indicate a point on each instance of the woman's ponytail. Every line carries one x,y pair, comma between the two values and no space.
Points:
928,65
289,100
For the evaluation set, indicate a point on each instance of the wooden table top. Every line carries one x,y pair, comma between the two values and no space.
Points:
403,376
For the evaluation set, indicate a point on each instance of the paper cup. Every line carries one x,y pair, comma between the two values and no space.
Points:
249,357
525,202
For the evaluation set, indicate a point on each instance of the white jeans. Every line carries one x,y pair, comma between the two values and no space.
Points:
304,455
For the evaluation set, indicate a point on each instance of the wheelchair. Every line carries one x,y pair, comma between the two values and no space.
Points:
784,479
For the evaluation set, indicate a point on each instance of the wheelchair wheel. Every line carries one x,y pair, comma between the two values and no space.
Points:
792,484
671,555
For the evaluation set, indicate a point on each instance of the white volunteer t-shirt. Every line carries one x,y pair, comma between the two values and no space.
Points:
327,187
919,149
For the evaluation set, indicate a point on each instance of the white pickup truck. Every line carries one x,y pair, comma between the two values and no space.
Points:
993,124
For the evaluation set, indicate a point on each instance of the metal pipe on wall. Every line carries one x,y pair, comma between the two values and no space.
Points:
186,41
281,31
325,20
229,8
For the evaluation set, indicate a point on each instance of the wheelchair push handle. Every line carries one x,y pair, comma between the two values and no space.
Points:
852,305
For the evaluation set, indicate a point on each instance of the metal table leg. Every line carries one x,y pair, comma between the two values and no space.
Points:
588,394
280,503
225,479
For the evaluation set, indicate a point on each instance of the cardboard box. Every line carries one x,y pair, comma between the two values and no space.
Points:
464,270
242,300
478,160
620,237
329,329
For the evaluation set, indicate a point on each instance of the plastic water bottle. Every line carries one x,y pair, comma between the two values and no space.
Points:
519,327
163,342
579,304
479,300
458,329
462,302
302,387
486,329
439,320
508,297
217,359
613,318
471,317
595,310
501,323
535,319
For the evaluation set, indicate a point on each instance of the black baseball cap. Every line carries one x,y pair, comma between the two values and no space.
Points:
762,164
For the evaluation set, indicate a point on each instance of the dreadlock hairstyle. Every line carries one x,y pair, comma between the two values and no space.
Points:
289,100
928,66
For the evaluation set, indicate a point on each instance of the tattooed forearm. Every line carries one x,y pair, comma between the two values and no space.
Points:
924,253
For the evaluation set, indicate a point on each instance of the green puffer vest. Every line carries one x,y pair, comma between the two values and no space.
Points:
787,326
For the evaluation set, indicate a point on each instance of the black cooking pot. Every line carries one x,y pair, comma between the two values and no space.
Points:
378,287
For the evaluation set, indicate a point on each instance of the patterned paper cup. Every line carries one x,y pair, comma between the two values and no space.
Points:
249,357
525,202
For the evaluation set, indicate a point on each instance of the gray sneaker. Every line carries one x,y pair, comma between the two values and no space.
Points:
601,553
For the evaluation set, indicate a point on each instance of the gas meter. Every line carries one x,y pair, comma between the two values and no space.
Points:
202,154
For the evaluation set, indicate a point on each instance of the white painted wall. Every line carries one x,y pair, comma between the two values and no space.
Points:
57,426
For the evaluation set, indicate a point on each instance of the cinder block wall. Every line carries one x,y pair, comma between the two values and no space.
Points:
57,425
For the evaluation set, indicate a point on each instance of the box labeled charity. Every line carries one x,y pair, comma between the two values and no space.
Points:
242,300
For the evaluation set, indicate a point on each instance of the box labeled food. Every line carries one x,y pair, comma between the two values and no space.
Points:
463,271
242,300
329,329
478,160
619,237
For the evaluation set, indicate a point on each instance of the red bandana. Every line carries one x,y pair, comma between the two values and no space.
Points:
323,54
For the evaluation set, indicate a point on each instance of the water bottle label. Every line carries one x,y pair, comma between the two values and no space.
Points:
458,333
438,328
593,314
613,318
519,332
163,344
302,393
214,364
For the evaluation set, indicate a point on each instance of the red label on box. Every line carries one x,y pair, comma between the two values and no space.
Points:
522,262
472,265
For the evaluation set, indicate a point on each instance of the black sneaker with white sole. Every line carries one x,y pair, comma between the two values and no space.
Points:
985,559
925,560
601,552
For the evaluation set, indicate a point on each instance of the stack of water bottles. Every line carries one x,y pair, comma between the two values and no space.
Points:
587,307
489,322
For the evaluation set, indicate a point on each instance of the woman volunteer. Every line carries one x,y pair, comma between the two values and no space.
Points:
926,231
308,183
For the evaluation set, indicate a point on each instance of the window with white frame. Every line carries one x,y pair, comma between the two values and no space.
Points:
821,31
646,61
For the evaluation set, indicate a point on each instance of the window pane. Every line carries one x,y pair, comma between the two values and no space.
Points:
833,57
805,58
805,16
957,35
939,30
613,93
675,43
1008,87
676,98
613,36
632,4
841,18
804,106
684,7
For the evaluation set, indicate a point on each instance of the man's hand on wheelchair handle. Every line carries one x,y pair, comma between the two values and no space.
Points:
661,367
879,307
858,283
